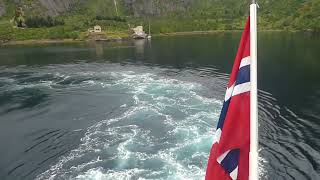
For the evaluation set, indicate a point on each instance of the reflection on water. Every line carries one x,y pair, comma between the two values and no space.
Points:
99,49
139,47
131,110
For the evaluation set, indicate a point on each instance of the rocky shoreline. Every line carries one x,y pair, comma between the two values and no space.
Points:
54,41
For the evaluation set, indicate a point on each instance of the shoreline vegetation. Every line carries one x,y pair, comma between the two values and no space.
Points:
75,29
124,37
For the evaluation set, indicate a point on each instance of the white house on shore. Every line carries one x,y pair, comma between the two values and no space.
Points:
95,29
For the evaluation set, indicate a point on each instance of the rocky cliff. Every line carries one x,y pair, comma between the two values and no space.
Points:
2,8
56,7
157,7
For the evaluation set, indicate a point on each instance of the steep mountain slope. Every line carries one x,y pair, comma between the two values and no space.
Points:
138,8
135,8
273,14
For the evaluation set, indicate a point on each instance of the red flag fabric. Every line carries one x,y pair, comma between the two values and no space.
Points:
229,156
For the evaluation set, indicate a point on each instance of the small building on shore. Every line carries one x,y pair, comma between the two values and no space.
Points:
97,34
95,29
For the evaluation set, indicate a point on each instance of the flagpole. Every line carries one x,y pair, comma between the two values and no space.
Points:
253,157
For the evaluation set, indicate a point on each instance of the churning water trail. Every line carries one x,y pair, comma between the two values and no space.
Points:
164,132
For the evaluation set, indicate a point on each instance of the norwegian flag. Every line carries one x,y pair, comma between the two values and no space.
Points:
229,156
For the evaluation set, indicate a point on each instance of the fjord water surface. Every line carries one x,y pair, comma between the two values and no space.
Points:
148,109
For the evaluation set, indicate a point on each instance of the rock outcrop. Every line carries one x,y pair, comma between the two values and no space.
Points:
156,7
56,7
2,8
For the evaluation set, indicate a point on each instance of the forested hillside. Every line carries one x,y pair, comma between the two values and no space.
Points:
68,18
274,14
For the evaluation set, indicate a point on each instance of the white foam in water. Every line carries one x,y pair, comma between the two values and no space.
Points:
40,84
262,170
166,134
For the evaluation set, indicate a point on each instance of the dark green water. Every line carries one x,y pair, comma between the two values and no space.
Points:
148,110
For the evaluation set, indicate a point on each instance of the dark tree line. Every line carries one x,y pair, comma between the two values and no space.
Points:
113,18
40,21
